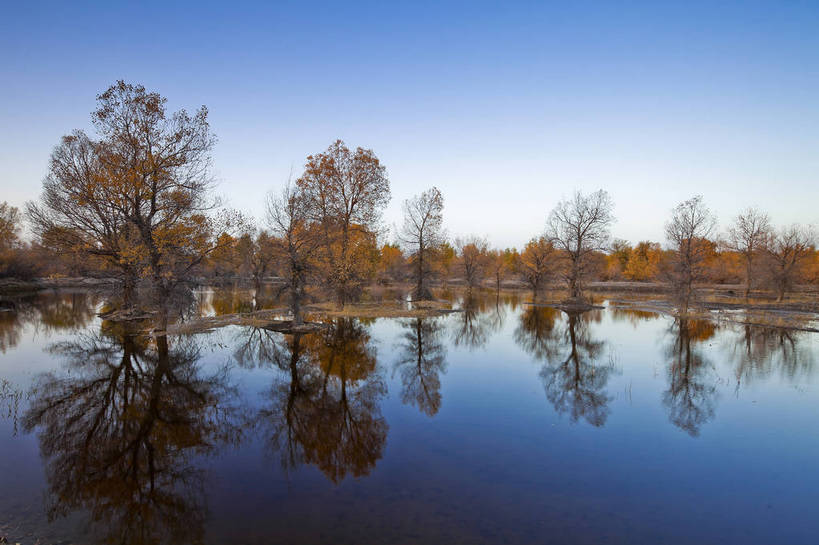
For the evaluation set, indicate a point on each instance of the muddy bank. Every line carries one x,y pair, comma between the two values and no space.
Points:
780,317
278,319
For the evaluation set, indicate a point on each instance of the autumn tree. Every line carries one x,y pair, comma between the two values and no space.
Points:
254,255
473,252
9,236
345,193
445,258
786,251
537,263
618,258
579,227
747,237
500,263
422,233
391,262
140,194
691,224
643,261
224,260
298,240
158,165
78,212
9,225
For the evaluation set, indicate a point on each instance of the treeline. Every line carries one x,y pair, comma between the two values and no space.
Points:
135,201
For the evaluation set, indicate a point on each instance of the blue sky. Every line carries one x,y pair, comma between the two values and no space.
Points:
506,107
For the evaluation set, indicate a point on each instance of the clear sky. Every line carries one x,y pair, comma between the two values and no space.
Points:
505,106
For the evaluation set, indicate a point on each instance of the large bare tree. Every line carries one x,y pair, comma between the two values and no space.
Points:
691,224
580,226
747,237
290,219
346,193
422,234
786,251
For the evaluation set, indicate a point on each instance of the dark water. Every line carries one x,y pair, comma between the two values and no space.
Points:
506,423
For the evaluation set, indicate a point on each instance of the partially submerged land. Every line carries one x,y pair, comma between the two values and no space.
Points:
714,302
277,319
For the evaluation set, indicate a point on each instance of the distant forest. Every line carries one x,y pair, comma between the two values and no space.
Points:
135,202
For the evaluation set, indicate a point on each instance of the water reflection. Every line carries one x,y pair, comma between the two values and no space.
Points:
10,329
471,326
324,410
692,390
573,375
10,398
48,312
536,333
119,430
635,317
421,361
256,347
574,378
757,352
222,300
67,311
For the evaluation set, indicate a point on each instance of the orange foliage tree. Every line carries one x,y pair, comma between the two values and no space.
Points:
345,193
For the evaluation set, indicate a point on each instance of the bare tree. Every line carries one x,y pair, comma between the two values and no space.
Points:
473,252
422,234
289,217
747,237
786,250
346,193
691,224
580,226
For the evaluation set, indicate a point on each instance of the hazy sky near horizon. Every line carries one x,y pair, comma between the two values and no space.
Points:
505,106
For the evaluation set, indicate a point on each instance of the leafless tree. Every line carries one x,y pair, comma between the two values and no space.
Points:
691,224
580,226
422,234
786,250
473,251
747,237
289,217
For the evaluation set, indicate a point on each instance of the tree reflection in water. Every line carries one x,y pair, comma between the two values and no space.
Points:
692,392
119,432
759,351
420,363
473,324
48,312
325,410
536,333
572,375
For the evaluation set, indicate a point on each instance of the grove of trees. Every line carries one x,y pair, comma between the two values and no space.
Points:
135,202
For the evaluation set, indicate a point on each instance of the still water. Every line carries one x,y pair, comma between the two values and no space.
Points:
505,423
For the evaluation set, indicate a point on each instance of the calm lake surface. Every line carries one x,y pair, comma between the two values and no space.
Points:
505,423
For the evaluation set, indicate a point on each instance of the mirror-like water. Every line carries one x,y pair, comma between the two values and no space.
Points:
504,423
